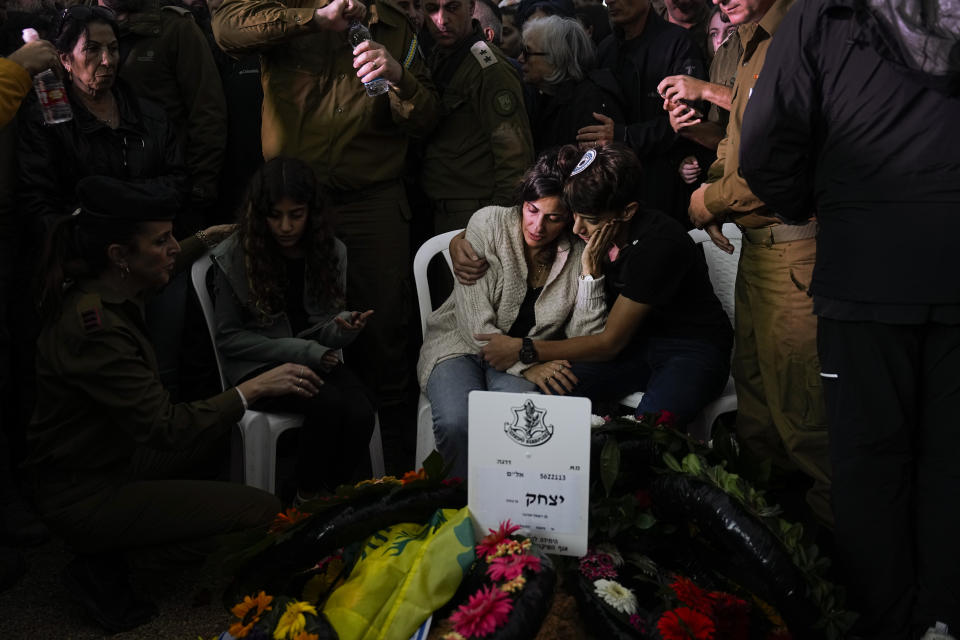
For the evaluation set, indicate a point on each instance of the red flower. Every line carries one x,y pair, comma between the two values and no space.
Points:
693,596
509,567
732,615
484,612
488,545
666,418
684,623
644,501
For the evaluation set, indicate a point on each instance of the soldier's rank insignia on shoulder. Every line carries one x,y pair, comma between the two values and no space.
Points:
505,103
88,309
482,53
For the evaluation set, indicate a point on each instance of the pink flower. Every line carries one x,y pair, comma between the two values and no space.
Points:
484,612
510,567
595,566
488,545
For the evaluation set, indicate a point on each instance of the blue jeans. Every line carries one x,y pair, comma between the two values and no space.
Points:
679,375
450,382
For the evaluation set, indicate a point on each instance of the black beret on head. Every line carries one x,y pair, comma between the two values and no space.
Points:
107,198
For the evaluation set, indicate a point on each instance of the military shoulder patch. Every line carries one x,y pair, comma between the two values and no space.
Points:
505,103
90,313
482,53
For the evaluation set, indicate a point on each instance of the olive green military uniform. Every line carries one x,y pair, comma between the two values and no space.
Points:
781,414
109,452
316,109
167,59
479,151
723,71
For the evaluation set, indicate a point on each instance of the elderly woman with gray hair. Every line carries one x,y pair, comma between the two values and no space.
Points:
558,58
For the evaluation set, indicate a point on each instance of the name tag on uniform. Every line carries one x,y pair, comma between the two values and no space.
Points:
529,462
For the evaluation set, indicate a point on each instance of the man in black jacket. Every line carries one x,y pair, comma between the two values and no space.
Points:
643,50
851,119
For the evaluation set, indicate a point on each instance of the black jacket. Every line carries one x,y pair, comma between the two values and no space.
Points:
639,64
53,158
837,124
555,119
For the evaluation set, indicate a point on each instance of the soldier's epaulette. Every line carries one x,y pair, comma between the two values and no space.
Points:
90,313
483,54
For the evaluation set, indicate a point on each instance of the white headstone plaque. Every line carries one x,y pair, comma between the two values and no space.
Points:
529,462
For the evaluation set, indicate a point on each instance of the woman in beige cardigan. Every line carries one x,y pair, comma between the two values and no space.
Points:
532,289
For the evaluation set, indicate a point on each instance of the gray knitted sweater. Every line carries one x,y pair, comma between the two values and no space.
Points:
566,307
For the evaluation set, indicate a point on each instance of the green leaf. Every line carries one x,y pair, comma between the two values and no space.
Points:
692,465
609,463
645,520
672,463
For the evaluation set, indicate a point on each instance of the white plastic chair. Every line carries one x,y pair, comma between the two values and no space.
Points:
259,430
426,442
723,274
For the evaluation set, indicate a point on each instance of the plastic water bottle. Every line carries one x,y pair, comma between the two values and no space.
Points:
50,91
359,33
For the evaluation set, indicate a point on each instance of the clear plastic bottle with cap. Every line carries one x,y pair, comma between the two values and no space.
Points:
50,90
358,33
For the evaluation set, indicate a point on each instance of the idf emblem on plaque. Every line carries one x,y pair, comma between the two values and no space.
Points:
529,427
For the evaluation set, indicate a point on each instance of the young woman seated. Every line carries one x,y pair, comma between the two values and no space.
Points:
279,285
531,290
667,333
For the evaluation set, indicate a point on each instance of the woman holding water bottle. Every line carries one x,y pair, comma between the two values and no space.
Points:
112,132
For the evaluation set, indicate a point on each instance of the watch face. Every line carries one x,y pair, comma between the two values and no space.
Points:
528,354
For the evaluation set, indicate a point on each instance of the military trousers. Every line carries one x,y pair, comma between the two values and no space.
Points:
374,224
780,409
155,506
893,404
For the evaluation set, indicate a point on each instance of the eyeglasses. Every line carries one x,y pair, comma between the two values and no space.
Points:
526,53
84,13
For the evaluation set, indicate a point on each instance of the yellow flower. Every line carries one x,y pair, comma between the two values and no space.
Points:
303,635
453,635
249,611
513,585
292,622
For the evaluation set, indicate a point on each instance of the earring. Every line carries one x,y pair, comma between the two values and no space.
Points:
124,270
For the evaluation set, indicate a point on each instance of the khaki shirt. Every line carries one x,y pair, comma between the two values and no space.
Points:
483,144
728,194
99,394
314,106
723,71
170,63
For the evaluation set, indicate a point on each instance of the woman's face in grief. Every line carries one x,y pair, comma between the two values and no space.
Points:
93,61
543,221
719,30
510,36
287,221
152,259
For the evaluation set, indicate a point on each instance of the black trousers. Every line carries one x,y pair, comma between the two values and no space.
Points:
337,425
893,404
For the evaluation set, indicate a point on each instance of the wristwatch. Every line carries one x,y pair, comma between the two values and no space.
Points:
528,354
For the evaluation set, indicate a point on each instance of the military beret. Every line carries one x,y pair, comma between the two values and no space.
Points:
109,198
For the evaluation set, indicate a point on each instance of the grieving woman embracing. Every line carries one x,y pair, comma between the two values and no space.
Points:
532,289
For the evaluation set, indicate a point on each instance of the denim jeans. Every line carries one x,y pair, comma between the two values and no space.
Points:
450,382
675,374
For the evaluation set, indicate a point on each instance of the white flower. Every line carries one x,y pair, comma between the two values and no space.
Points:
617,596
597,421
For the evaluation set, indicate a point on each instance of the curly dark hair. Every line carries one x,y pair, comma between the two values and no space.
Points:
266,270
607,185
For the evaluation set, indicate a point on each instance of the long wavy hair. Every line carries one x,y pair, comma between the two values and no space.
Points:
266,270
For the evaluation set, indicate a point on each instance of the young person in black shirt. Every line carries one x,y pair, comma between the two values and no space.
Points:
667,333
